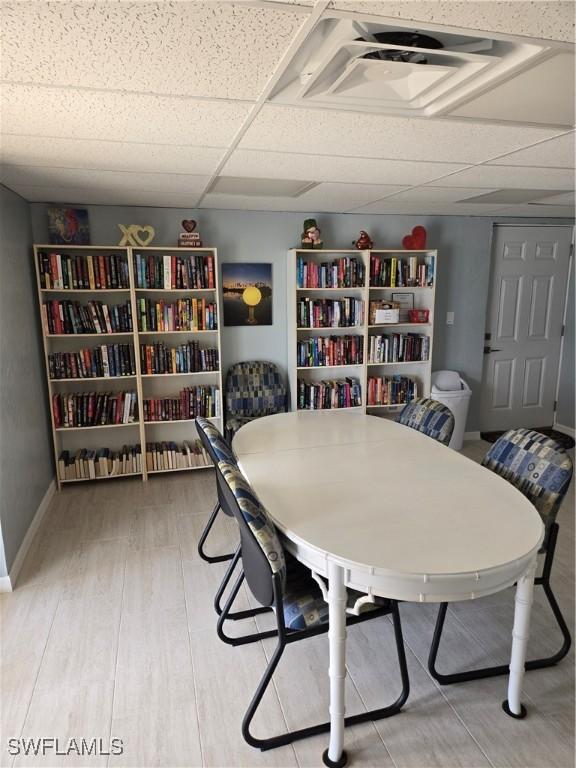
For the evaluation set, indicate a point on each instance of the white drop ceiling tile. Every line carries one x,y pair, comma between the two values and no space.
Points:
79,114
325,198
439,195
550,20
218,50
107,155
328,132
12,175
276,165
392,205
566,198
125,197
553,153
510,177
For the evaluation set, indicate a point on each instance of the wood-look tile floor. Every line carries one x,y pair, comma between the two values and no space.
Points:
111,633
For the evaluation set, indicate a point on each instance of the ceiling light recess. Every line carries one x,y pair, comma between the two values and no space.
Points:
363,63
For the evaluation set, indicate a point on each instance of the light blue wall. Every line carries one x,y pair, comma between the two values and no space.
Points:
26,465
463,274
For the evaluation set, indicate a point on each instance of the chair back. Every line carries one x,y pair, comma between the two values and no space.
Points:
218,449
429,417
255,388
262,550
536,465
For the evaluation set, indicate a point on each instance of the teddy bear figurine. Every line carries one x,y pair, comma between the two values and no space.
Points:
364,242
310,237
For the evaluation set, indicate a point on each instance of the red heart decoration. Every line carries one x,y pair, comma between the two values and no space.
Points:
189,225
416,241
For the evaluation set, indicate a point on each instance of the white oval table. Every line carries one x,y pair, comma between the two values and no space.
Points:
381,508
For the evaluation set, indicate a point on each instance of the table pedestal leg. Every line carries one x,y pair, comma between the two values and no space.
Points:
524,593
335,756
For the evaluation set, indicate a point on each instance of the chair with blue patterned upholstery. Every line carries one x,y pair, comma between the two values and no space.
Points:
541,470
429,417
278,580
253,389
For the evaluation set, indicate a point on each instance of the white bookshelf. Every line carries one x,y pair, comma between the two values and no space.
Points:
137,432
424,298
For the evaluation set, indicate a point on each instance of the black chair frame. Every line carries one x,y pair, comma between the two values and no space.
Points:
218,506
267,589
504,669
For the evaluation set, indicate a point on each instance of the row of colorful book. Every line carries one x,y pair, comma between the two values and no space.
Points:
328,395
181,315
173,272
346,272
329,313
90,464
104,361
395,272
190,357
71,317
188,404
398,348
82,271
90,409
330,350
170,455
391,390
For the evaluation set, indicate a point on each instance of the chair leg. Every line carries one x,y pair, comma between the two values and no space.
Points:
222,588
204,536
314,730
225,615
504,669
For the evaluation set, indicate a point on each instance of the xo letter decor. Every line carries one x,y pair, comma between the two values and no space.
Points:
135,234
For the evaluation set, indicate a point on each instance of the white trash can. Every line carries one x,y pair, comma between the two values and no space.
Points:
450,389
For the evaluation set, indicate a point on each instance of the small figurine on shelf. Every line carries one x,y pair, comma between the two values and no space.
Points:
364,242
189,238
311,236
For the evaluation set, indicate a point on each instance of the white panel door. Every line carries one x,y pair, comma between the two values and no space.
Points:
524,326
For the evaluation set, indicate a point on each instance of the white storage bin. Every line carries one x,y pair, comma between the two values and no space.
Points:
450,389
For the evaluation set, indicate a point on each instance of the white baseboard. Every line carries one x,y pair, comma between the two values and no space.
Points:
471,435
27,541
565,430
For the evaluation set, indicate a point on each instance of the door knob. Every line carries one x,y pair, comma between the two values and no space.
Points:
487,350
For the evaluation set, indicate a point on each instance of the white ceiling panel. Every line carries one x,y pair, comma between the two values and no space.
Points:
554,153
547,19
566,198
78,114
107,155
338,169
16,175
362,135
218,50
510,177
392,205
88,196
437,195
325,198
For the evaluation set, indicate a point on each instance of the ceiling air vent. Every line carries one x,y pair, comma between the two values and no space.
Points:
364,63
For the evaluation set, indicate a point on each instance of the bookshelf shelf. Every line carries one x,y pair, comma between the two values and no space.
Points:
411,266
96,378
178,469
60,264
98,426
102,477
175,290
85,290
167,333
187,373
